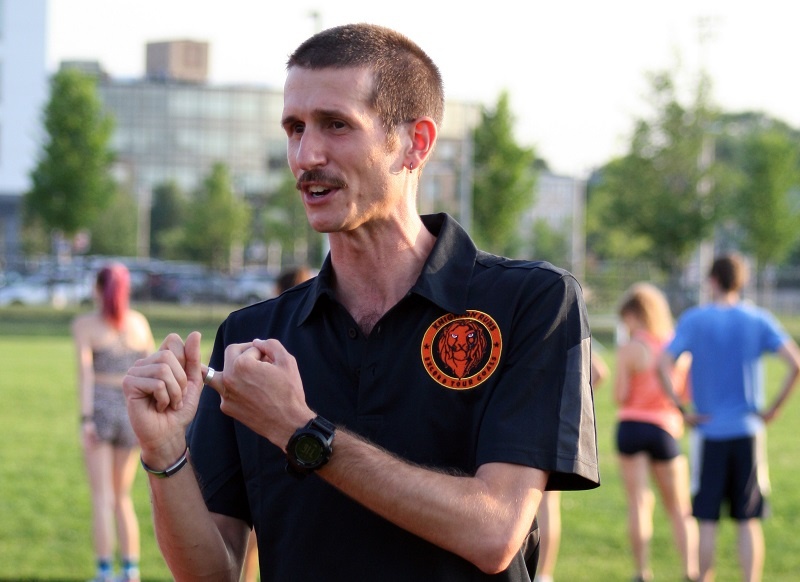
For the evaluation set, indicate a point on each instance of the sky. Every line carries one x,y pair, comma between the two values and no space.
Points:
575,70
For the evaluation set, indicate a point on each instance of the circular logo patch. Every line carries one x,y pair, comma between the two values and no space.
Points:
461,351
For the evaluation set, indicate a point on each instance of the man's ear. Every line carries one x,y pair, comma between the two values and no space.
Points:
423,133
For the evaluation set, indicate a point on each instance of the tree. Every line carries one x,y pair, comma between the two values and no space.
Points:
284,222
72,183
504,181
763,154
114,230
768,216
662,198
550,244
217,220
167,216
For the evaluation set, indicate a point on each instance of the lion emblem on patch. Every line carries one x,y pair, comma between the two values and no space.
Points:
461,351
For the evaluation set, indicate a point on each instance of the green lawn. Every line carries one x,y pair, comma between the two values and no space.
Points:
44,504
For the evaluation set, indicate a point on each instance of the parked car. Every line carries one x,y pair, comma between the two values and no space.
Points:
250,287
58,290
190,286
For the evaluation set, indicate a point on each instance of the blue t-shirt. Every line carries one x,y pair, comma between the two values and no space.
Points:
726,343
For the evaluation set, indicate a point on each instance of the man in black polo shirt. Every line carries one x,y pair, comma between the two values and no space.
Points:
398,416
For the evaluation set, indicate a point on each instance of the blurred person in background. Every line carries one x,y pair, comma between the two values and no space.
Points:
549,515
727,340
292,276
649,429
108,342
287,279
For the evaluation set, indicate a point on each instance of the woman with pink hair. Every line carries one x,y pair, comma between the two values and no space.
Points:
108,341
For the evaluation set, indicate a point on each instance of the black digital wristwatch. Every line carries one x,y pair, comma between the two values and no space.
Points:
310,447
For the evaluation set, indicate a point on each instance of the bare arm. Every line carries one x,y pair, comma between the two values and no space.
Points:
162,392
790,354
483,518
83,349
665,366
622,378
196,544
599,370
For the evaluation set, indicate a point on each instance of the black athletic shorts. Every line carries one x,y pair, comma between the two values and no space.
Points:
732,471
644,437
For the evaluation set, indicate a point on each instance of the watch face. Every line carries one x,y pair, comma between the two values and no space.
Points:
308,449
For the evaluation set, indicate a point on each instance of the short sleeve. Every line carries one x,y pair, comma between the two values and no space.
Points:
542,411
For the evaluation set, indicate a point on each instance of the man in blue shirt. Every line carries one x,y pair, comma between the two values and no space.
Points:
727,339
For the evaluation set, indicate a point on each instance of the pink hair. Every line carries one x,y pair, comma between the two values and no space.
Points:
114,285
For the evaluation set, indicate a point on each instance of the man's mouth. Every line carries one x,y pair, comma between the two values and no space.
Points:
318,183
318,191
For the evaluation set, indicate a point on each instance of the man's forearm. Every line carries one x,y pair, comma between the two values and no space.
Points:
790,354
484,518
195,545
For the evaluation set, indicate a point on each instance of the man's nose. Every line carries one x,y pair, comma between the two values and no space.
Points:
310,150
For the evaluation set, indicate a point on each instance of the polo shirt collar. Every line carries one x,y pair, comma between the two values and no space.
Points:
445,276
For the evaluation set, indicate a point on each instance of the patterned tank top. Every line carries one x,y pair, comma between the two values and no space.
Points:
115,359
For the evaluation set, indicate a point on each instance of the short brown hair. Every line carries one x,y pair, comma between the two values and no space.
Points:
406,82
730,272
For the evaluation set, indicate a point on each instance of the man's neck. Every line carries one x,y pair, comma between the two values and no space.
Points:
727,299
373,271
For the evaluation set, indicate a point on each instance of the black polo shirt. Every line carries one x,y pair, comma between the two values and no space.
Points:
486,359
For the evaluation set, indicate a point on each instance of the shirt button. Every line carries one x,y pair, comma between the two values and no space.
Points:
352,332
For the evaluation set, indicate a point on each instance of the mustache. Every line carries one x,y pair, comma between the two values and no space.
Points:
321,177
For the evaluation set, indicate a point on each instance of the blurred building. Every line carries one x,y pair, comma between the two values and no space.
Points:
23,92
560,203
178,60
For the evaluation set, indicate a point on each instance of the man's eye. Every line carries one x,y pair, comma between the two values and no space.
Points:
337,124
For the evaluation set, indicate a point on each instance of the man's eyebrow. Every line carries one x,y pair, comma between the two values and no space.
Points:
317,114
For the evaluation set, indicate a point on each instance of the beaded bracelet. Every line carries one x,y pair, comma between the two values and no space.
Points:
169,471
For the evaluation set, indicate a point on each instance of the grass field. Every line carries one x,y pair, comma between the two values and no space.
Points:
44,498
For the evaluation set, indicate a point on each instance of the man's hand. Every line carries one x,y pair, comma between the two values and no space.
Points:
162,392
261,387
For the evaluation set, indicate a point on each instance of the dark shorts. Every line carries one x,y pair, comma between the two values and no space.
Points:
111,417
644,437
730,471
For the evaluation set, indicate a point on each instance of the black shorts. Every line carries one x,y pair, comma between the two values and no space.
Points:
635,437
732,471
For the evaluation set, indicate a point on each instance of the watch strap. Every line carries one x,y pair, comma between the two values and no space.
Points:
323,425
